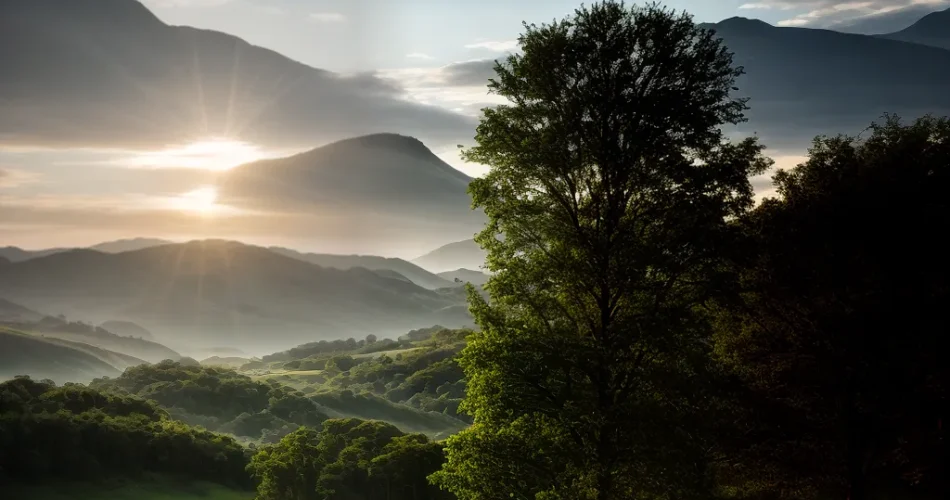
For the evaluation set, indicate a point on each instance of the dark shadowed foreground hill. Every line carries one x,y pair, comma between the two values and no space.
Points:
208,293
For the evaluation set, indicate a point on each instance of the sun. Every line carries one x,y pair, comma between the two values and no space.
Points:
201,201
213,153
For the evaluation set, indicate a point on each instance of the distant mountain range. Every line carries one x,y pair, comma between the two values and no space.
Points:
398,267
465,254
933,29
804,82
210,293
109,72
384,266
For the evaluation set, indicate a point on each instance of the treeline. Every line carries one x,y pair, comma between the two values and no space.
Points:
349,459
218,399
77,433
422,373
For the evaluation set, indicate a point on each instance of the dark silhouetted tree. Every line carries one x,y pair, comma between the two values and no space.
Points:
608,198
841,328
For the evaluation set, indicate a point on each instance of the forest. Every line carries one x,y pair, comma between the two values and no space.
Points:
651,330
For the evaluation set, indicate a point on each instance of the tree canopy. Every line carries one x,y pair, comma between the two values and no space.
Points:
609,194
840,326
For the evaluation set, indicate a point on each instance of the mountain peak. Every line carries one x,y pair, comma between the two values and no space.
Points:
387,140
935,24
742,24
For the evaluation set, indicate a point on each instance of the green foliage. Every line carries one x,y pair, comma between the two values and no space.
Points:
608,198
349,459
75,432
841,318
218,398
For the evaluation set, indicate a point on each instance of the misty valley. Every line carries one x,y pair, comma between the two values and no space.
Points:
623,254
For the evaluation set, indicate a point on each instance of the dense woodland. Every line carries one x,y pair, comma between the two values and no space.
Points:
650,331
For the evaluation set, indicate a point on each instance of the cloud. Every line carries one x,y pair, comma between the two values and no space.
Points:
468,73
830,13
494,45
327,17
11,178
418,55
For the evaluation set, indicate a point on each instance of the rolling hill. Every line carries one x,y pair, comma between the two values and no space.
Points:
209,293
400,267
11,312
127,329
23,354
477,278
464,254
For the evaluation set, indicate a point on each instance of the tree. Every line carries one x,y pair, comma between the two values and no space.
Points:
841,321
371,339
288,470
608,197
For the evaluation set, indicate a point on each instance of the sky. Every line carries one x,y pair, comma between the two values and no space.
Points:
409,66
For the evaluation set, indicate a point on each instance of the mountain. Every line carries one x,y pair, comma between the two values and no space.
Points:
22,354
465,254
16,254
805,82
110,73
885,22
933,29
398,267
10,312
116,359
83,333
208,293
383,187
476,278
127,245
127,329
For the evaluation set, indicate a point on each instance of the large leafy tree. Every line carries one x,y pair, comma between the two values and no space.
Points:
608,197
841,329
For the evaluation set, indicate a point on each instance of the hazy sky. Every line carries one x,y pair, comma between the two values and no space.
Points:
396,65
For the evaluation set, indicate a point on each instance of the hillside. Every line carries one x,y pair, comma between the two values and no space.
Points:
400,267
116,359
129,244
477,278
127,329
16,254
10,312
932,29
22,354
384,187
464,254
109,72
85,334
208,293
804,82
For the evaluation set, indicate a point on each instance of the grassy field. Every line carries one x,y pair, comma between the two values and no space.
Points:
152,489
